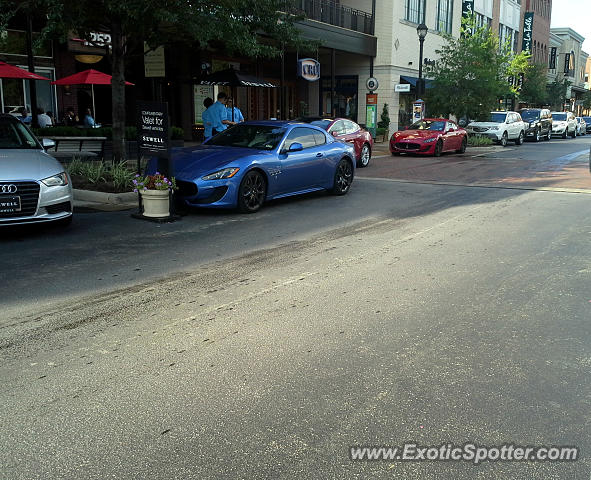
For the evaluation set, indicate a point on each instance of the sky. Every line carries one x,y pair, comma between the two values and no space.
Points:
575,14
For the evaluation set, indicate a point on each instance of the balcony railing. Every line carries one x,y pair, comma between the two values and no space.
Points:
333,13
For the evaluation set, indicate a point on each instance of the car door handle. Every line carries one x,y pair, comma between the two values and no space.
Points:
320,155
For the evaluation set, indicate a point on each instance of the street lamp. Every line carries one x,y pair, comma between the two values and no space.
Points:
422,33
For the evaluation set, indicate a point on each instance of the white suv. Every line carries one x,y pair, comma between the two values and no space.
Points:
501,127
564,124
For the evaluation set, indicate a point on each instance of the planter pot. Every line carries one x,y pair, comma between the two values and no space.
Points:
156,203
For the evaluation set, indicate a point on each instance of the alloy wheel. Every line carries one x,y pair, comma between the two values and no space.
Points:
365,156
252,192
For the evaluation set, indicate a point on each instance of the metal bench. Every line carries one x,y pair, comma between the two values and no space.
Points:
87,147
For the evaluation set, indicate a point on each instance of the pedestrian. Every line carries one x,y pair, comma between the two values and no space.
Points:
25,117
49,113
207,119
70,118
43,119
219,114
238,117
88,120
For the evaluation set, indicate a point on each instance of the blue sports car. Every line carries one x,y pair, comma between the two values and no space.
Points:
252,162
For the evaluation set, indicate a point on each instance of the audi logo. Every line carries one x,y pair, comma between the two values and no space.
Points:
8,188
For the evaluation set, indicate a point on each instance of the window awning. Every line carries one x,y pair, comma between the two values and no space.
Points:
413,81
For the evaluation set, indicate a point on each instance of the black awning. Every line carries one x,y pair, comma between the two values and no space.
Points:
234,78
413,81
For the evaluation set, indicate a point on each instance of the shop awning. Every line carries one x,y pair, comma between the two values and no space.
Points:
413,81
234,78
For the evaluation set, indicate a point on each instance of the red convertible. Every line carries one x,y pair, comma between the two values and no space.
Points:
431,136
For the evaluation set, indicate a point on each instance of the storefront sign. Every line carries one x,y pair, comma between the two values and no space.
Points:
154,64
309,69
152,128
372,84
528,26
97,45
566,63
371,113
402,87
467,12
418,110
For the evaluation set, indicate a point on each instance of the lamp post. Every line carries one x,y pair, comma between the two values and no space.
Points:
422,33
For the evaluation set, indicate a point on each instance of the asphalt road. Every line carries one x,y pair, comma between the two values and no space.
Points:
264,346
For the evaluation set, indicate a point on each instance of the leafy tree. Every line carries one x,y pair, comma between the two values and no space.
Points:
534,91
587,101
236,24
557,91
384,117
472,73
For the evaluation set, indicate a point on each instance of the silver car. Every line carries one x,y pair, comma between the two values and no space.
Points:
34,186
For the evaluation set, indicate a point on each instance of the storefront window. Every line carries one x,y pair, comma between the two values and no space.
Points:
13,94
345,98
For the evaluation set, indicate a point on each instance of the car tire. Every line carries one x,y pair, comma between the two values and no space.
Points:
252,192
463,147
565,134
365,156
548,136
574,134
504,140
519,139
538,136
438,149
343,177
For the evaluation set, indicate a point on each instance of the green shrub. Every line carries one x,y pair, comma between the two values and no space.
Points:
478,141
380,131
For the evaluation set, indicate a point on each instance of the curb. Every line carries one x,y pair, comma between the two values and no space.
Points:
106,198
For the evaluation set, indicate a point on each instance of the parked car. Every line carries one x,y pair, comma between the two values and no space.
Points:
500,128
252,162
581,126
431,136
588,124
564,124
347,131
34,186
538,123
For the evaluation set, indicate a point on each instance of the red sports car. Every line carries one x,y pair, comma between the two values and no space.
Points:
431,136
348,131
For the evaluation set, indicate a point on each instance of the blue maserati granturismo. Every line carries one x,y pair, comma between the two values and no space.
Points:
252,162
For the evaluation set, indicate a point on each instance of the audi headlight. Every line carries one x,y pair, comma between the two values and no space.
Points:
430,140
494,128
221,174
58,180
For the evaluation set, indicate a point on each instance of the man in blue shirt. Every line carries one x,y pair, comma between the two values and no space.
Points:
219,114
238,117
207,121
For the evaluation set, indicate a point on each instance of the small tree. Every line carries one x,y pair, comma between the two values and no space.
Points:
557,91
472,73
384,118
587,101
534,91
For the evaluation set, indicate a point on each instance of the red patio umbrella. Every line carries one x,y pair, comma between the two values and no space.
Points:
10,71
87,77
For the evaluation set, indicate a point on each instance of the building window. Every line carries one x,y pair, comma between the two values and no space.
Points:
444,15
482,21
415,11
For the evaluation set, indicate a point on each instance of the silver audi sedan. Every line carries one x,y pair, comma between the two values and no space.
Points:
34,186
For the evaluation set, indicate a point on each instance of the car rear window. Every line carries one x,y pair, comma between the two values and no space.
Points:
529,115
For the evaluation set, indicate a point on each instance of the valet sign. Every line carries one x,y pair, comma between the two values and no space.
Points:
309,69
152,128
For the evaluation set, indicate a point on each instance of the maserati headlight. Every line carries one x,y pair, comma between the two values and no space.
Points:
58,180
430,140
221,174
